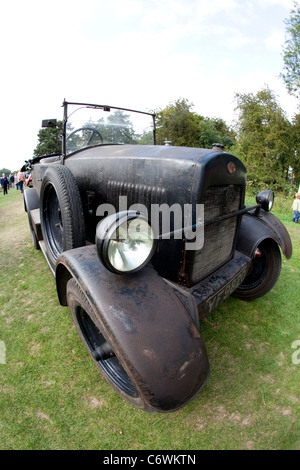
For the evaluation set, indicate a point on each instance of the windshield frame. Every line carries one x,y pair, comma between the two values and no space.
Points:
101,107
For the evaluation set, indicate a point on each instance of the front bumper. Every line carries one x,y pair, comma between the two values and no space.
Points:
201,299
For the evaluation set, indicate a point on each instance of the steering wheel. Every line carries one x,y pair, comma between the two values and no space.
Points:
94,132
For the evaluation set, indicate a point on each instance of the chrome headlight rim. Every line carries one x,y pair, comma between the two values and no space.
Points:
105,232
266,199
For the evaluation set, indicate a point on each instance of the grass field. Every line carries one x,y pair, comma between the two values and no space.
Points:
52,397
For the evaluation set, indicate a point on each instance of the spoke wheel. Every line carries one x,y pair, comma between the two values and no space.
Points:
102,352
100,348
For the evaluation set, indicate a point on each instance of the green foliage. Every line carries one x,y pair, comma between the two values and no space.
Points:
295,137
291,55
180,125
214,130
5,171
49,141
121,129
145,139
265,139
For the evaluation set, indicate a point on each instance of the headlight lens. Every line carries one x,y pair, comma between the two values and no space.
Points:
265,199
125,242
131,246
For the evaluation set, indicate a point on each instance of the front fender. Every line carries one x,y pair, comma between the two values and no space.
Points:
31,200
257,227
151,332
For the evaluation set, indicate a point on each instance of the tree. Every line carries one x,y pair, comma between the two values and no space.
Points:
178,124
5,171
264,139
146,138
291,53
49,140
119,128
213,130
295,163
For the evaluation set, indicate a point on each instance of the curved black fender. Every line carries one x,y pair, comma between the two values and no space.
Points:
31,200
150,331
256,227
31,206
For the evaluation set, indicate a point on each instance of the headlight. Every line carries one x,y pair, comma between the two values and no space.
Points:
265,199
125,242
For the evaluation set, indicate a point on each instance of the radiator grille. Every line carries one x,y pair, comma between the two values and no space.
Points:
218,236
135,193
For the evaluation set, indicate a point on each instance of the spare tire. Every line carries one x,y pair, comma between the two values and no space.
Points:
62,219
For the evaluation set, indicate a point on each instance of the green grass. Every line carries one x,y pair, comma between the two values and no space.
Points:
282,207
52,397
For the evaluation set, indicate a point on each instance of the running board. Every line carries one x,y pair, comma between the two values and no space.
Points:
44,251
36,223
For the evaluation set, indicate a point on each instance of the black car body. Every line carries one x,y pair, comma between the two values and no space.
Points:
145,240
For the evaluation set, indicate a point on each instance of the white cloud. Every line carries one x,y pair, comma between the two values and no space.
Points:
286,4
126,9
275,40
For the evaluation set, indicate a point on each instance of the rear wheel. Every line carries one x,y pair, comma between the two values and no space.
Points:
62,219
264,273
101,350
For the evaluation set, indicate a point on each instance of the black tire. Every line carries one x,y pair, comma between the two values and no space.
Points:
94,338
62,219
264,273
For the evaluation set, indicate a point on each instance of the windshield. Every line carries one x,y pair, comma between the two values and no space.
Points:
90,125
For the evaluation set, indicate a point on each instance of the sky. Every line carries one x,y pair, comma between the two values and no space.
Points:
138,54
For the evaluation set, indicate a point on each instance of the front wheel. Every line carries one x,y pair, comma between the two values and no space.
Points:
264,272
101,350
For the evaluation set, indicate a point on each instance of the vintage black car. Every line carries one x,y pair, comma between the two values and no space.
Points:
144,241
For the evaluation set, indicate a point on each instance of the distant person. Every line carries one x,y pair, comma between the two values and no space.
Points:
21,179
4,184
296,208
11,180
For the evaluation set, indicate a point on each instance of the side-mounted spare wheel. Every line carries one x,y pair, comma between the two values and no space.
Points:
62,219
